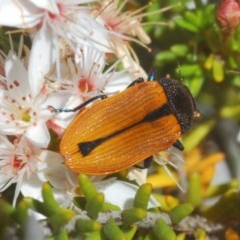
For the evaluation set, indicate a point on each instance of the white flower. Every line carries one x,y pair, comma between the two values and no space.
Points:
88,76
52,21
29,166
52,170
18,161
124,27
21,111
92,74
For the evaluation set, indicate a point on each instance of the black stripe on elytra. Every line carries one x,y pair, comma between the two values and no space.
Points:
86,147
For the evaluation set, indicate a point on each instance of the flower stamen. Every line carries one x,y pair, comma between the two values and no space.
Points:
17,164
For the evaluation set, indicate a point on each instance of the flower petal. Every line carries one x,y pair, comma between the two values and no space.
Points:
41,61
49,5
16,75
19,13
54,171
32,187
33,227
38,135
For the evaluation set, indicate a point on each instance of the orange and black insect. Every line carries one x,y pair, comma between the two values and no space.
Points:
122,130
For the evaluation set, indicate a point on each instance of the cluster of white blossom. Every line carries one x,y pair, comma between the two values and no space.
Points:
76,46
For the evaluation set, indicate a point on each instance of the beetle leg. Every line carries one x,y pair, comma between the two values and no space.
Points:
137,81
57,110
146,163
178,145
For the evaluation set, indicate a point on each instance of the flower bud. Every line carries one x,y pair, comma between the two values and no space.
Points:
228,16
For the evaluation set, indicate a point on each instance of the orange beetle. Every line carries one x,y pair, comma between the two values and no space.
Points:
122,130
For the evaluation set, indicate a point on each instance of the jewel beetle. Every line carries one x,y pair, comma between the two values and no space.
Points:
122,130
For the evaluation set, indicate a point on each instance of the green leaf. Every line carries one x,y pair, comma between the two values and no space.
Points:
164,56
94,205
133,215
142,196
162,231
62,235
194,17
193,138
86,186
186,25
20,215
80,202
97,235
231,111
50,204
59,219
220,189
190,70
5,208
112,231
194,84
130,232
21,211
180,212
218,71
194,189
87,225
110,207
179,49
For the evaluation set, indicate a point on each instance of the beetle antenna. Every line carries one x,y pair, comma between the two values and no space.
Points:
58,110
